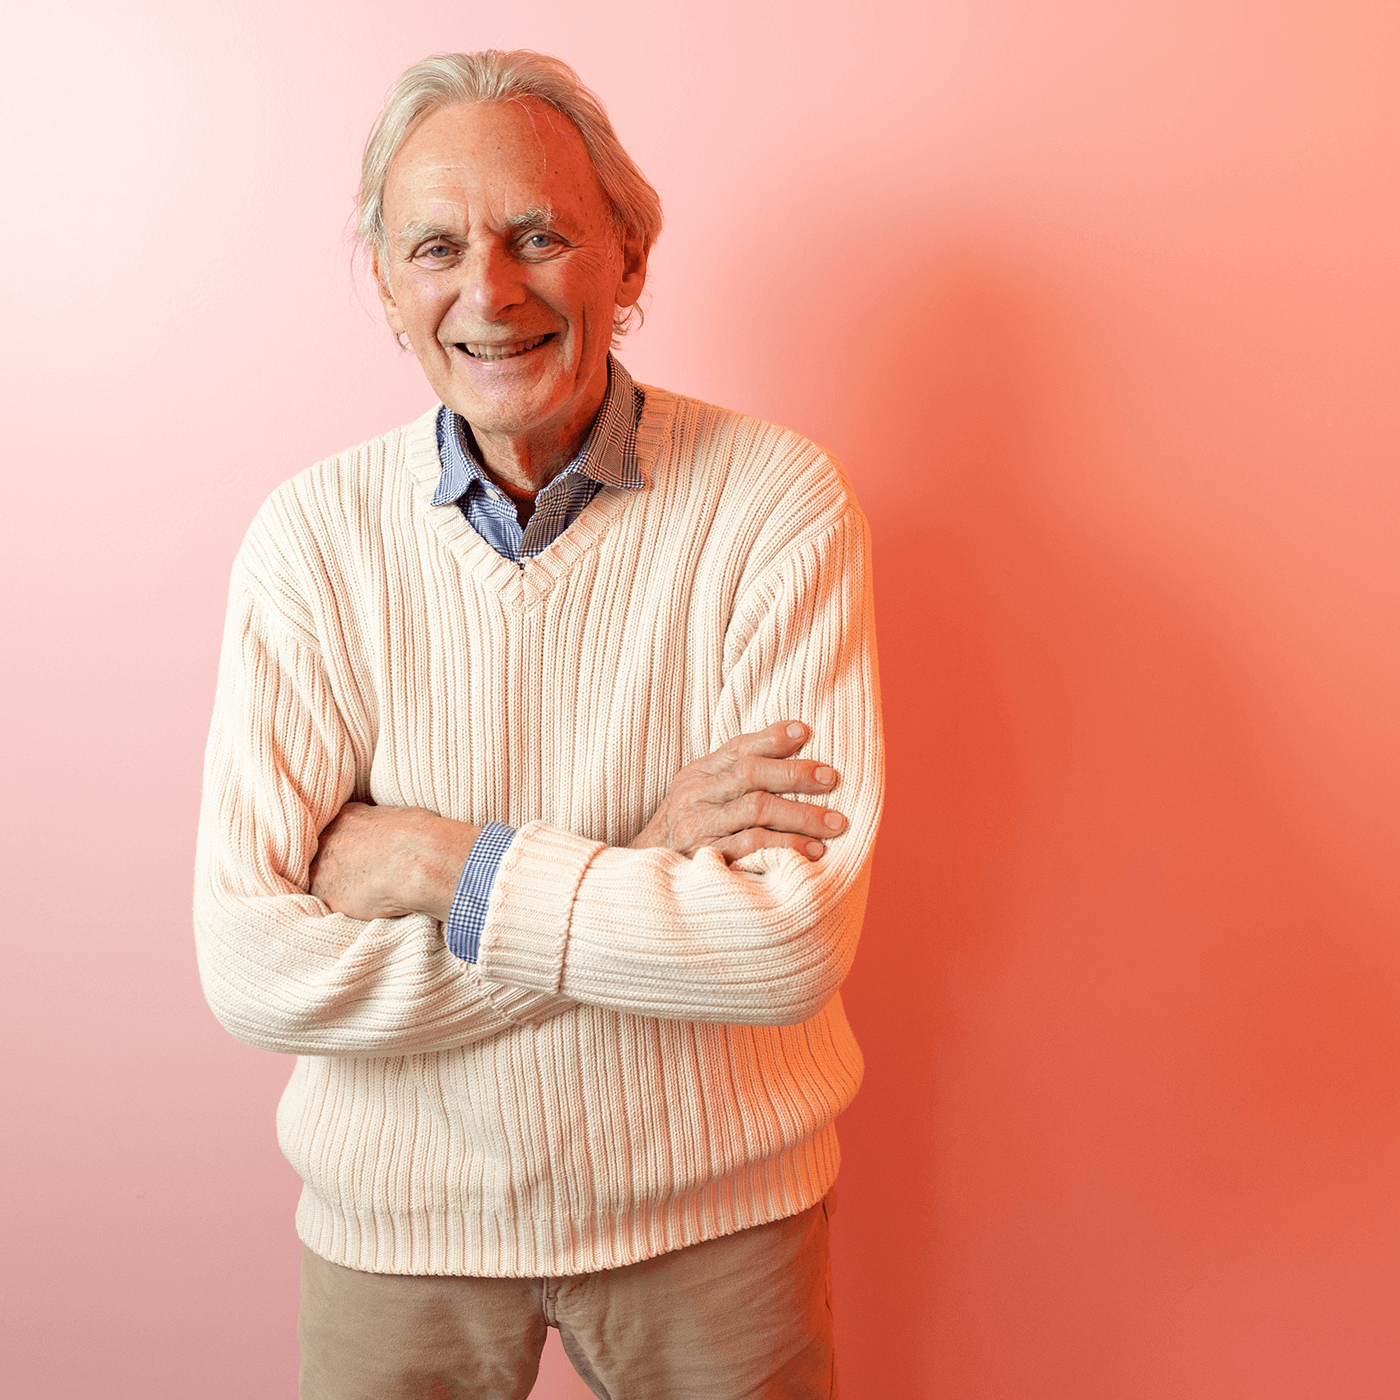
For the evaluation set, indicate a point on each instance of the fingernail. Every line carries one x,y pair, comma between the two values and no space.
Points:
795,731
825,775
834,820
815,849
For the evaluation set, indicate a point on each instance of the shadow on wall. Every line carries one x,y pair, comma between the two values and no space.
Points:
1123,1030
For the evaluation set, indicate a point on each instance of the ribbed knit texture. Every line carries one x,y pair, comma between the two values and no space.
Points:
651,1051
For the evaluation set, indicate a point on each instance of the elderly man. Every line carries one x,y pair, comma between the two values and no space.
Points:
518,828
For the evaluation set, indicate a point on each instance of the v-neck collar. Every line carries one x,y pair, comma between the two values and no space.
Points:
523,585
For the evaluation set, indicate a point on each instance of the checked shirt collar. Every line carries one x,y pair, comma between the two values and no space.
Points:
608,457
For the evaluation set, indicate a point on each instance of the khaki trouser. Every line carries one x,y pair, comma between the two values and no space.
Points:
747,1315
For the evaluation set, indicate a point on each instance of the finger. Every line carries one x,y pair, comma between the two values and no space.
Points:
777,741
765,809
746,775
759,838
804,775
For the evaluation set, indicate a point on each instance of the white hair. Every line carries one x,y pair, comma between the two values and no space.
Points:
458,79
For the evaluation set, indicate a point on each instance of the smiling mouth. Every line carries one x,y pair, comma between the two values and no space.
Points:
509,351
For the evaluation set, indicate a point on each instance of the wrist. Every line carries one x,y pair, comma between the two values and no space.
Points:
438,850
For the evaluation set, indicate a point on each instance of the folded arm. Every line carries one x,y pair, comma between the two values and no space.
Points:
319,923
389,862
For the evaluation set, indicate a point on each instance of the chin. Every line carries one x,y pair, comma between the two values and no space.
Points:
514,409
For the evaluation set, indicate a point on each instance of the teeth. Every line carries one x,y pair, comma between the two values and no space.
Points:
502,352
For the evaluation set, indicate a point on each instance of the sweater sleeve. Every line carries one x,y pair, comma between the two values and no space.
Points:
766,940
279,968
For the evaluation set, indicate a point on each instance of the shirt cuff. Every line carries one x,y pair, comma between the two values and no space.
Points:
467,917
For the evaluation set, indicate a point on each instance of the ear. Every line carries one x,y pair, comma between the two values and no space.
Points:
386,297
634,272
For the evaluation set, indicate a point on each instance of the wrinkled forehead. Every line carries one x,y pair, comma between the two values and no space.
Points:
501,157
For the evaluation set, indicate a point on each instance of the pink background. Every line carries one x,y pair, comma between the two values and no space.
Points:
1098,301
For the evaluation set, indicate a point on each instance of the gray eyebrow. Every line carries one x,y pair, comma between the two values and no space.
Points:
539,216
416,230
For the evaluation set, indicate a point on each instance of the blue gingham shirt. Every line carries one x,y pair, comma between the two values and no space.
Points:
608,457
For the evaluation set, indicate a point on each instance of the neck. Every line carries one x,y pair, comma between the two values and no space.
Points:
527,462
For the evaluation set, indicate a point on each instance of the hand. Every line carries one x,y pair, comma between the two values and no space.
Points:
727,800
385,862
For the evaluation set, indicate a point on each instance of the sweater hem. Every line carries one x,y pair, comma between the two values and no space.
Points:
422,1243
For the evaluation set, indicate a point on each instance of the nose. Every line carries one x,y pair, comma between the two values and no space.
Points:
492,280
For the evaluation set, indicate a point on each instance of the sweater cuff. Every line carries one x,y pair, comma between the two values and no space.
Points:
527,921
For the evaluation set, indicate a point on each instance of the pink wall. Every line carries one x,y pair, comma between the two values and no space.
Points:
1098,302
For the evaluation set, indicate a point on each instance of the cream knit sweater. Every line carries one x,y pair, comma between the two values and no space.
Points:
651,1051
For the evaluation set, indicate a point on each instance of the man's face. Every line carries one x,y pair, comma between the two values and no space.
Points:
503,267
